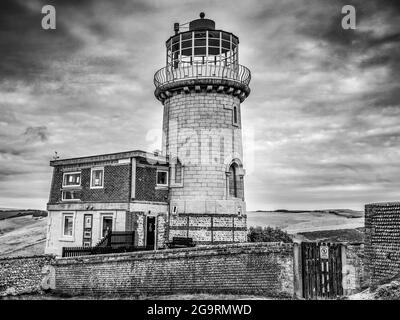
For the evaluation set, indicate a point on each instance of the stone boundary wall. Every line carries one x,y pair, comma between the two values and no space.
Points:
19,275
354,278
382,242
246,268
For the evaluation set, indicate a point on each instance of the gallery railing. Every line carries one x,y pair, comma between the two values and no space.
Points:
170,74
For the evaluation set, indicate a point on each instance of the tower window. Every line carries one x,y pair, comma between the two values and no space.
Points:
235,115
178,172
233,180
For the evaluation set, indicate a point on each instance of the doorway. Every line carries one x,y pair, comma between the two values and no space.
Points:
321,270
150,232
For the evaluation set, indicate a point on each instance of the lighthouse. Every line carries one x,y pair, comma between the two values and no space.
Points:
201,89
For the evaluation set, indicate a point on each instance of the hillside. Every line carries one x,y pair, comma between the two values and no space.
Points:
11,213
298,221
22,235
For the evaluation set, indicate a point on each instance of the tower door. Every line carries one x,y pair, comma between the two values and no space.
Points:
150,232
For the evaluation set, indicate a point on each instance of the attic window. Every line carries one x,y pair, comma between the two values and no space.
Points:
72,179
162,178
97,178
70,195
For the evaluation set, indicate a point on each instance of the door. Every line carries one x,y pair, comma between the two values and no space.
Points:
107,225
321,270
150,232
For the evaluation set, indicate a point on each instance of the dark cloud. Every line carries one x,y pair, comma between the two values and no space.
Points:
36,134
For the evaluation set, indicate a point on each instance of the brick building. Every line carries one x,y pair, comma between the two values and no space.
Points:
195,187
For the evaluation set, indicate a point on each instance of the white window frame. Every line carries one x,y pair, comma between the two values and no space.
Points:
167,179
106,215
75,185
63,216
62,196
91,178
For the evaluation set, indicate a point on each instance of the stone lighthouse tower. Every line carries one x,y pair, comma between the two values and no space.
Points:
201,88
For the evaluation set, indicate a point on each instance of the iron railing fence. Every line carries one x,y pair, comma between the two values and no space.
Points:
112,242
169,74
115,238
86,251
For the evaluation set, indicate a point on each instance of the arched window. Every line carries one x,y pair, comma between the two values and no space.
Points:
234,179
178,171
233,185
235,115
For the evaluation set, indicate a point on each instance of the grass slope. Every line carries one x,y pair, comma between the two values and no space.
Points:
11,213
22,235
297,221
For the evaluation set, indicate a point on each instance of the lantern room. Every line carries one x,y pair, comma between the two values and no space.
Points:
202,45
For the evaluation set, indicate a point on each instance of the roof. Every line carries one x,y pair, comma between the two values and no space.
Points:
110,156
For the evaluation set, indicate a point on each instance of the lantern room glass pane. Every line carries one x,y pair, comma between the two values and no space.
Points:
226,36
187,36
200,34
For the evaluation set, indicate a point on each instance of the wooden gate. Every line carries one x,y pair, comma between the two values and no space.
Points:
321,270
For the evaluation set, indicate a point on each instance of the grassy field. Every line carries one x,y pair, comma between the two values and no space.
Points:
295,222
23,235
341,235
12,213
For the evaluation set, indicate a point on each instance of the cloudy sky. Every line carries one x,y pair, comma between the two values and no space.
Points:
321,126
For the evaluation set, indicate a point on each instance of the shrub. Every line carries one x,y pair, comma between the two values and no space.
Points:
268,234
389,291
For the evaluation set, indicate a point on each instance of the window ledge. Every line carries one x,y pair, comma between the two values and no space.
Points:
66,239
176,185
161,187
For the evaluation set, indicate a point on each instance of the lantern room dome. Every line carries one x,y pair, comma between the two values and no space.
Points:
202,24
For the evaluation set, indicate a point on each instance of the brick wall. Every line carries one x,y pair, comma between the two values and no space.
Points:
146,185
116,185
382,241
209,228
22,274
354,279
262,268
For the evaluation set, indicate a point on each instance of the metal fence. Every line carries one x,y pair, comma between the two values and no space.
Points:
113,242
